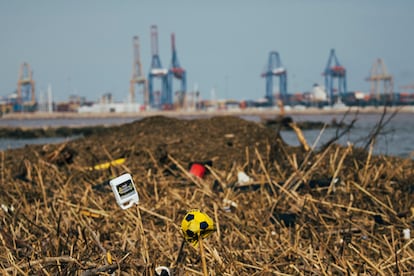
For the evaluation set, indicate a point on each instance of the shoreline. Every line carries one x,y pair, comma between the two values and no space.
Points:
203,113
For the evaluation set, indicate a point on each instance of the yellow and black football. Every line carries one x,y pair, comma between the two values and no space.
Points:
196,225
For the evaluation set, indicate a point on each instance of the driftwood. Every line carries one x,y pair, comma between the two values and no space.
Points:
335,211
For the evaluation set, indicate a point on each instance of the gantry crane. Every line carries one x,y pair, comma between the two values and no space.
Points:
379,74
275,69
25,86
138,78
334,70
157,71
176,71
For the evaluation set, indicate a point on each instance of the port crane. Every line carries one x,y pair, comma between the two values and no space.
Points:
157,71
334,70
275,69
380,74
138,78
25,86
176,71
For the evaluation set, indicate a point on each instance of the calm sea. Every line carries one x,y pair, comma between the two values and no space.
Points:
395,139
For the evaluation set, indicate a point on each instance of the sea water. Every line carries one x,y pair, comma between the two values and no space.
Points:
10,143
394,138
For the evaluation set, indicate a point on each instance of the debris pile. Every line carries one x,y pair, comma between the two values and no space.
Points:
276,209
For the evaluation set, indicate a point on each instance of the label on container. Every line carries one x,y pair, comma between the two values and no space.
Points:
125,189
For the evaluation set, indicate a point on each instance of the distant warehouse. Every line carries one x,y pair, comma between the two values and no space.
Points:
110,108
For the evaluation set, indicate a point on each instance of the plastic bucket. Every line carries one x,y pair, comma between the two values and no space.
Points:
198,169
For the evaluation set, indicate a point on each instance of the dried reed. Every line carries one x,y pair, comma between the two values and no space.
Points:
290,220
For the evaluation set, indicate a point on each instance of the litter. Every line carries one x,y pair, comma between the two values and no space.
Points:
124,189
243,178
107,165
199,168
406,234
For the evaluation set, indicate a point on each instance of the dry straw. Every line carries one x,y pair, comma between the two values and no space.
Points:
293,219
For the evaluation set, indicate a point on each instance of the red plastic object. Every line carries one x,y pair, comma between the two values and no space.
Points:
198,169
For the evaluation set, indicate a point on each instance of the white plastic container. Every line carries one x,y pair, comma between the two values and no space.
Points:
124,189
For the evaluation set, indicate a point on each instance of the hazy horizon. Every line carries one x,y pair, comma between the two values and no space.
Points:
85,47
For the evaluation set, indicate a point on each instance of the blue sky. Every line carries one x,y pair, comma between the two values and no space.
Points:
85,47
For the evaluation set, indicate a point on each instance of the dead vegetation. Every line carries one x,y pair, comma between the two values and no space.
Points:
337,211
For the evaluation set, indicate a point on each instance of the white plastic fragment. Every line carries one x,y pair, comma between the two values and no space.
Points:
7,208
243,178
406,234
162,271
229,204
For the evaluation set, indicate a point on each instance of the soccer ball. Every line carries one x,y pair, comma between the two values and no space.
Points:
195,225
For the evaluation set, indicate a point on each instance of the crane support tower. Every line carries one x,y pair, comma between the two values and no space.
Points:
176,71
138,78
380,74
25,87
157,71
334,70
275,69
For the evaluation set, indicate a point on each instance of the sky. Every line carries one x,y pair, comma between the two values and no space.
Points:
84,47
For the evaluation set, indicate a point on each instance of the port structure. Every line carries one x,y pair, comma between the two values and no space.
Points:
138,78
334,71
176,72
407,87
378,74
275,69
25,87
157,98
